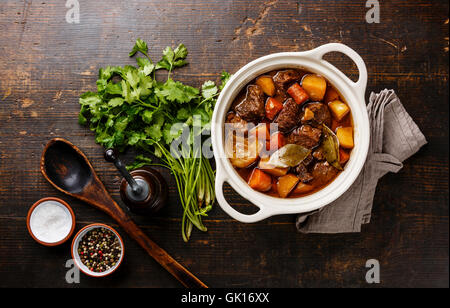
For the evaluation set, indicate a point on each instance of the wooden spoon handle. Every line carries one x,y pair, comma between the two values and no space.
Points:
105,202
161,256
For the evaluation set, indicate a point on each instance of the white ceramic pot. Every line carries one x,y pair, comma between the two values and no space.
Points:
353,93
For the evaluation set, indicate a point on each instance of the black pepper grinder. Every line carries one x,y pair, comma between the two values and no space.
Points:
143,190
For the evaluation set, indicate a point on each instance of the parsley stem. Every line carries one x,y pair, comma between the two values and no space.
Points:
146,54
146,105
207,99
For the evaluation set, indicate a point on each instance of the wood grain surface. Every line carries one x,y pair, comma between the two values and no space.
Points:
46,63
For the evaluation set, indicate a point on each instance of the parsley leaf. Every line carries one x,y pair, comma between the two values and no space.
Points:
209,89
116,101
139,46
224,77
173,58
145,65
183,114
114,88
175,91
181,52
90,99
154,132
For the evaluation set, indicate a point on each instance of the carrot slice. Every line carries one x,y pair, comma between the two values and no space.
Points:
273,106
344,156
335,125
274,188
260,181
277,141
298,93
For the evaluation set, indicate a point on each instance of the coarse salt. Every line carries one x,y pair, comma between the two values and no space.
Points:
50,221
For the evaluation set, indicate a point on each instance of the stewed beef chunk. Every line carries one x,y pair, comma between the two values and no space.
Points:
306,136
303,174
289,116
252,107
319,154
308,160
284,78
323,173
321,114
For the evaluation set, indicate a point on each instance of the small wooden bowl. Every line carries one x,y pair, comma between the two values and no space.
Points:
63,203
76,257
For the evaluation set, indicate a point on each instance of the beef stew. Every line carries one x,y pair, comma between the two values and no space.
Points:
289,133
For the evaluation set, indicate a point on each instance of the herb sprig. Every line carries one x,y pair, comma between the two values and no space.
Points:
133,109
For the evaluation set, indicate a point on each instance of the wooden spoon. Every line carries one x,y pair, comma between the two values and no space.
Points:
69,171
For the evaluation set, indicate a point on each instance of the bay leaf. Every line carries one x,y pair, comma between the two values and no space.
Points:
330,147
290,155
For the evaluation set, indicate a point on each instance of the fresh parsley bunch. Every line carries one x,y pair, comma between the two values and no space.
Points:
132,108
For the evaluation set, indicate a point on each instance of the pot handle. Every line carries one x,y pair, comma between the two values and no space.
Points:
258,216
361,84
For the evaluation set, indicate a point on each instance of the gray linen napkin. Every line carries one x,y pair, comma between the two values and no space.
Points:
394,138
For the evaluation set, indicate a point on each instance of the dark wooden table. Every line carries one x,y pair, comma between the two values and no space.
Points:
46,63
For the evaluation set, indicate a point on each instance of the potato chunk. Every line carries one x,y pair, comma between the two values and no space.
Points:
261,132
315,86
266,84
303,188
242,152
286,184
309,115
338,109
331,95
345,136
268,168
